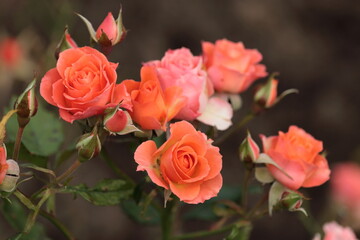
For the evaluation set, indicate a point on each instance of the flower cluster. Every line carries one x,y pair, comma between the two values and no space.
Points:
172,114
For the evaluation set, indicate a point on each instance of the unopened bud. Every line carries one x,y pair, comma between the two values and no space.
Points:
11,177
26,105
118,121
282,198
66,42
88,146
265,96
109,33
249,151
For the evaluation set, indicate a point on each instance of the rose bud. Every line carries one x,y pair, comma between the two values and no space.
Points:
89,145
26,105
265,95
66,42
249,150
109,33
117,121
11,177
281,197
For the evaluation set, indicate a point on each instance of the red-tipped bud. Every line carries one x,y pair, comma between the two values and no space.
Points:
26,105
89,145
117,121
109,33
109,28
265,95
249,151
282,198
66,42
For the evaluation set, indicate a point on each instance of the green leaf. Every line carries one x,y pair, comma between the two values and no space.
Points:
42,136
26,156
16,216
106,192
239,233
139,214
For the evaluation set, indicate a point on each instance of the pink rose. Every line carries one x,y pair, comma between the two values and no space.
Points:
3,165
10,52
83,84
231,67
180,68
345,186
333,231
298,154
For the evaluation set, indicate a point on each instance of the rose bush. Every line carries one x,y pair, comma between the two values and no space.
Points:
153,107
186,164
231,67
297,153
82,84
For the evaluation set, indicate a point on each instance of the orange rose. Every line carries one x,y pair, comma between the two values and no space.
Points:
153,107
186,163
82,85
230,66
297,153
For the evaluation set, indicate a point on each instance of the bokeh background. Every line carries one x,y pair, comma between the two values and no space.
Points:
314,45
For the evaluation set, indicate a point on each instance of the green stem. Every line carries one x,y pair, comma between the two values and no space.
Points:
69,171
57,224
167,219
245,187
18,143
234,128
206,233
105,156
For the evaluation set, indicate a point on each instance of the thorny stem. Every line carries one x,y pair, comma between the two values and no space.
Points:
234,128
18,143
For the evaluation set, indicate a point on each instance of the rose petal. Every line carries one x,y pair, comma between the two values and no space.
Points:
218,113
185,192
144,156
46,85
208,189
320,173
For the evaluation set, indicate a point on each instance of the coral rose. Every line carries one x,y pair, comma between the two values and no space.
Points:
153,107
231,67
180,68
297,153
82,85
346,190
187,164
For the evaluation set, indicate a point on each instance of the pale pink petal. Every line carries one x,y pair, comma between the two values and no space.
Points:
218,113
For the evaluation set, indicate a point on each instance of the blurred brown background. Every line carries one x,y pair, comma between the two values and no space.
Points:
314,45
